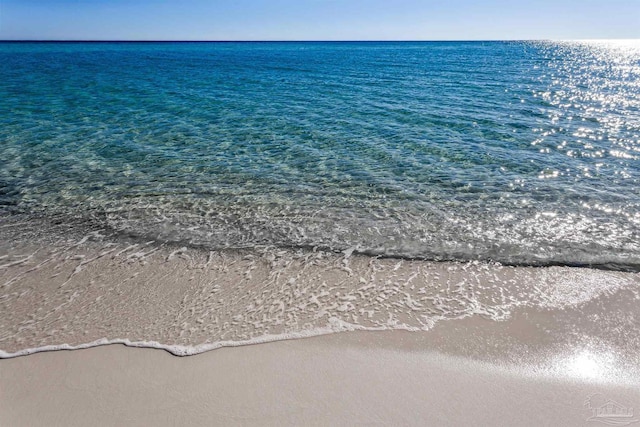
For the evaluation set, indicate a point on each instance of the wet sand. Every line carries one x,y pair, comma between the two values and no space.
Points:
386,341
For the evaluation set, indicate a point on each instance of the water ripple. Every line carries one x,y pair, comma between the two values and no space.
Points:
518,152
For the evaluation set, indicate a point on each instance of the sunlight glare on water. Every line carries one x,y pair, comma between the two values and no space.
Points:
517,152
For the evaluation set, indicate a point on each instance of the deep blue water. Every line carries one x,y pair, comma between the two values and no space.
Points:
518,152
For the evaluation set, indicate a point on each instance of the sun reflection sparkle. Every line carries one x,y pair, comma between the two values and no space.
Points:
589,365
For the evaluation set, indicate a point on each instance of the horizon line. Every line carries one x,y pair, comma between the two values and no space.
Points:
295,40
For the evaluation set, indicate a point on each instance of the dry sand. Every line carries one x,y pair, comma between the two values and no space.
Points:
340,379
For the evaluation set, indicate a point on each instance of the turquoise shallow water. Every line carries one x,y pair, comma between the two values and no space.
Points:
517,152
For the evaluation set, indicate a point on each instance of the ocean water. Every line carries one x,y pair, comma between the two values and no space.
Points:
514,152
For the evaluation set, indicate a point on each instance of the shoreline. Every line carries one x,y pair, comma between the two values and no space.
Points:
96,291
542,343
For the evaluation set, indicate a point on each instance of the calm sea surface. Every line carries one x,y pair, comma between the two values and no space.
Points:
517,152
